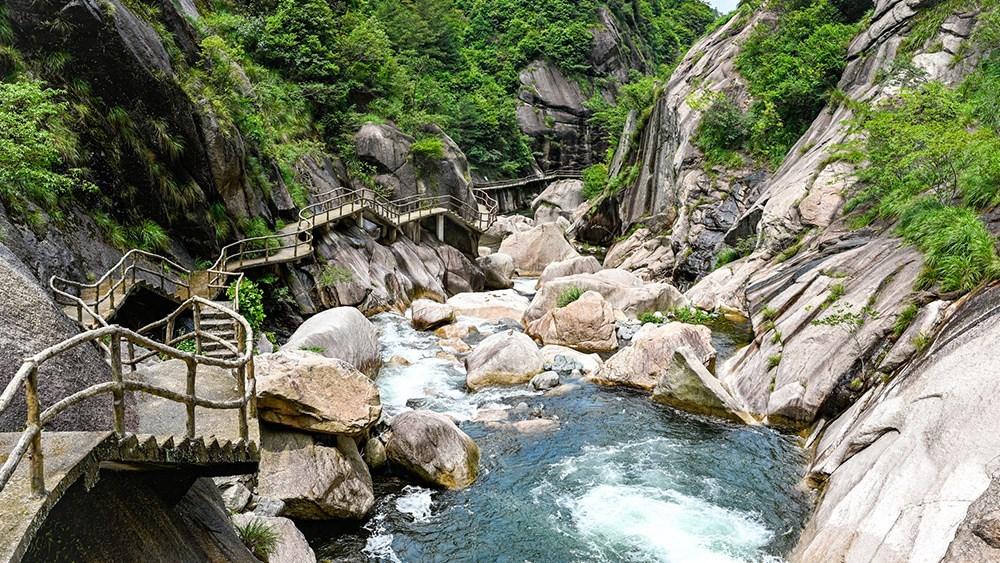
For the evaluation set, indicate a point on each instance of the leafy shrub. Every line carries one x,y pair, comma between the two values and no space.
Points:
428,149
743,247
258,536
332,275
722,129
651,318
692,315
251,302
595,180
568,295
189,346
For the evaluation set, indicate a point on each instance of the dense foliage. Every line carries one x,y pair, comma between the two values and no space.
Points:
790,68
931,158
251,301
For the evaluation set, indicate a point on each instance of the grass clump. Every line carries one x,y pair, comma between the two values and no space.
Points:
904,320
773,361
316,349
258,536
568,295
837,291
332,275
742,248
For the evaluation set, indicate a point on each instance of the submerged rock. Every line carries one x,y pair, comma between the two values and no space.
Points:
587,325
536,248
505,358
427,314
429,446
545,381
317,394
315,481
291,546
652,354
342,333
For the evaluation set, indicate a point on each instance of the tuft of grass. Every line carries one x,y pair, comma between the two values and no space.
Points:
742,248
904,320
568,295
921,341
773,361
837,291
769,313
332,275
258,536
150,236
316,349
793,249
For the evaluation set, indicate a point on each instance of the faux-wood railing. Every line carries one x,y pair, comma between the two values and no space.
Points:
27,377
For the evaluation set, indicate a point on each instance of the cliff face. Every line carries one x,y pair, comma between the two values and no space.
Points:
905,460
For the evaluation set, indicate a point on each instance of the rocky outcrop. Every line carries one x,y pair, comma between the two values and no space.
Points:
309,392
498,269
430,447
551,111
504,358
651,354
314,479
491,305
644,253
909,468
534,249
572,266
291,546
560,199
565,360
587,325
624,291
342,333
427,314
688,385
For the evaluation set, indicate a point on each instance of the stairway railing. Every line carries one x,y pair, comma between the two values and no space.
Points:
30,441
569,174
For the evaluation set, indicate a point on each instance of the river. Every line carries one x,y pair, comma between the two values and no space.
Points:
619,479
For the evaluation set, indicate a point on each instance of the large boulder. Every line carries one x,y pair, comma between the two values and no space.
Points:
314,393
623,290
342,333
506,225
426,314
291,546
504,358
315,479
651,354
570,267
648,255
491,305
429,446
587,324
535,249
564,360
686,384
560,199
499,269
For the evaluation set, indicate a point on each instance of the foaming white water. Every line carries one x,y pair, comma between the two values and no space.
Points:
653,524
415,501
379,543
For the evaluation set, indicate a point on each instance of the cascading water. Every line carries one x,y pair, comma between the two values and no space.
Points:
619,478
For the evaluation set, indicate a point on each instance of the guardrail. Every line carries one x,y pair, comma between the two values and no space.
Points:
571,174
27,377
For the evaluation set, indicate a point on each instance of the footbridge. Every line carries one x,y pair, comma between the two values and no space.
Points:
40,465
516,194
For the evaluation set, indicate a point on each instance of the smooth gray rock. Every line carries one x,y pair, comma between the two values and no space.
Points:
545,381
342,333
429,446
504,358
292,546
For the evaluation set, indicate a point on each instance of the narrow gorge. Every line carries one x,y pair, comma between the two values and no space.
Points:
498,280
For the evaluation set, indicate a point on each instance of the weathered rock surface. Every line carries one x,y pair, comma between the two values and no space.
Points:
565,360
587,325
909,467
688,385
310,392
569,267
491,305
342,333
291,547
644,253
504,358
545,381
429,446
427,314
499,269
560,199
651,354
623,290
534,249
315,479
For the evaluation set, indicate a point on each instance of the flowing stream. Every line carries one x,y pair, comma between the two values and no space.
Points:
619,478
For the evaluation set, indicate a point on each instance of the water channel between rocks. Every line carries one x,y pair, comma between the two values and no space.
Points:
619,479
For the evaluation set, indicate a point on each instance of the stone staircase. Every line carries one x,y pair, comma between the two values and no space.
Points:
222,326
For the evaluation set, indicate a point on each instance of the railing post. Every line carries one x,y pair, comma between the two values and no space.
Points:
251,378
131,355
192,370
196,310
440,228
118,393
241,384
35,425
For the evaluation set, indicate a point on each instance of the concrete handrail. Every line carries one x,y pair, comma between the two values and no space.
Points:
27,376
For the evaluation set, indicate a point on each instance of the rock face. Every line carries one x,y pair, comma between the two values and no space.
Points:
536,248
914,460
492,305
624,291
504,358
645,254
429,314
651,354
342,333
560,199
570,267
315,480
687,385
551,111
499,269
310,392
292,545
587,325
429,446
